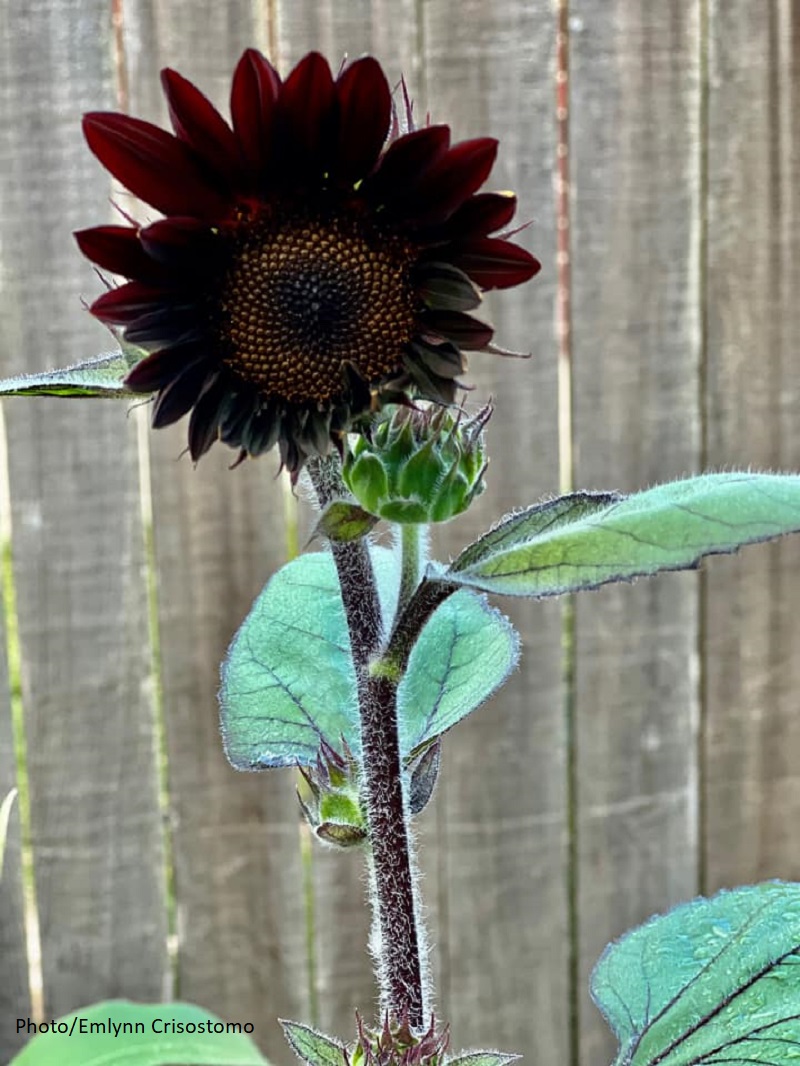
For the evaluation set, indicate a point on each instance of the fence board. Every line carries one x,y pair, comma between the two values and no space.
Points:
634,91
218,536
14,993
751,644
494,849
672,221
344,977
77,536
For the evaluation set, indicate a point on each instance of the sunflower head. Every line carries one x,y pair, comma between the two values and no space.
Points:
317,257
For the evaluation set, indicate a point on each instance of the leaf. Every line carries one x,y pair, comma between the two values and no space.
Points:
587,539
5,818
713,981
288,681
462,656
74,1045
343,521
483,1058
99,377
312,1047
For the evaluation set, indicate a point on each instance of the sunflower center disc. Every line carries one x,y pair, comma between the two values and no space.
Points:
301,300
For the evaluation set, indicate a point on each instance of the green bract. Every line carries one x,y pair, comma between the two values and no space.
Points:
418,466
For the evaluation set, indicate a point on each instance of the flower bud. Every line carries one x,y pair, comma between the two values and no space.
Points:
418,465
330,798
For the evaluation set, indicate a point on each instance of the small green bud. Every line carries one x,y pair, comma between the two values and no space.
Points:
329,798
418,465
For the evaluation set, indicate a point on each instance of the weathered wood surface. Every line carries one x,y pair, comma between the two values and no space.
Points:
494,850
751,643
218,534
660,760
78,550
636,343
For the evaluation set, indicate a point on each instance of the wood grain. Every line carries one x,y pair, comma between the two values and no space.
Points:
494,839
751,647
219,534
636,344
78,548
681,702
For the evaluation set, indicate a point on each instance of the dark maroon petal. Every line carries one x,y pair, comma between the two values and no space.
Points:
235,420
253,95
185,242
463,330
307,119
365,111
453,178
431,386
167,325
127,303
405,161
476,217
444,360
444,286
493,263
210,409
180,395
262,432
198,123
158,369
154,165
118,249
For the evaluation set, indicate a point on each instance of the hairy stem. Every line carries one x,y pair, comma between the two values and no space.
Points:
397,944
413,552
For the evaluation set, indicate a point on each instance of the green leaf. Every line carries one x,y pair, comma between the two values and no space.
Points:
142,1041
343,521
587,539
483,1058
5,818
288,681
462,656
99,377
713,981
312,1047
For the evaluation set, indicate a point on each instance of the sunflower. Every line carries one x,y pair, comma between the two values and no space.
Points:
317,258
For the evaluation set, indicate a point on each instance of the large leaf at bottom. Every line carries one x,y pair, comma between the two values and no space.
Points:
153,1046
713,981
99,377
288,680
586,539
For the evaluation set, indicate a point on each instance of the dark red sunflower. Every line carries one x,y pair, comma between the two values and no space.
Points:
316,258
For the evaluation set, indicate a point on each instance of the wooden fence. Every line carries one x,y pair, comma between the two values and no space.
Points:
655,756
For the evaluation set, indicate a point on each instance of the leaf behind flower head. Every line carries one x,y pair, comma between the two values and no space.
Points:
714,981
101,377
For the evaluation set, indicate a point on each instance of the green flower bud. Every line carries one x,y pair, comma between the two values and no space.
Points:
329,798
418,465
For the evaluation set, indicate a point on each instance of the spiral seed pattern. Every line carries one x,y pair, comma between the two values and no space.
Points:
301,299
